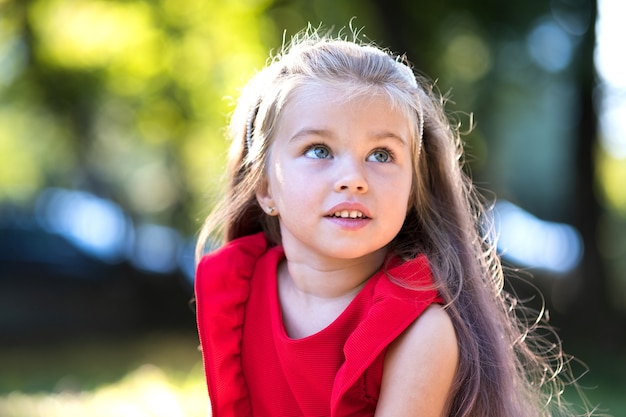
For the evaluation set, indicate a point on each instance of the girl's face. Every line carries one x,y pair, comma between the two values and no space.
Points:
339,174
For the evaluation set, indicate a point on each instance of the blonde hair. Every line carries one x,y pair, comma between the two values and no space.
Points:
500,372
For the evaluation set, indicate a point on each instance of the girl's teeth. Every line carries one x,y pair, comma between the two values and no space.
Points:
349,214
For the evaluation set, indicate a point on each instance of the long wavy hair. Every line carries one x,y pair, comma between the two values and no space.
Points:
505,368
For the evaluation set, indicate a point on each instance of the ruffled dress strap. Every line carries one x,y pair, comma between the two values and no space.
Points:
222,288
394,307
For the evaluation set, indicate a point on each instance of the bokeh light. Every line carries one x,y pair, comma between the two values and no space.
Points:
611,66
530,242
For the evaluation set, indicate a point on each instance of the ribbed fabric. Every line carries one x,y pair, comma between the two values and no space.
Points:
254,369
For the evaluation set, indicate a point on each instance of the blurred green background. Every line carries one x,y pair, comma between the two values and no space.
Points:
112,115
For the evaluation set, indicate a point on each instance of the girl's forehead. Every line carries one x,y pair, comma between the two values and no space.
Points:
327,99
339,96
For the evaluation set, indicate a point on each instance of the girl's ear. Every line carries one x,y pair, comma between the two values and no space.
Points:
265,200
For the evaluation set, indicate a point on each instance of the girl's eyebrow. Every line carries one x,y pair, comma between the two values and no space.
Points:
376,136
302,133
389,134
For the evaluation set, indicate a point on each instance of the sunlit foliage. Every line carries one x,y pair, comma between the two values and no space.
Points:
124,97
612,180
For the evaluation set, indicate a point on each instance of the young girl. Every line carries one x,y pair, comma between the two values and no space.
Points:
355,278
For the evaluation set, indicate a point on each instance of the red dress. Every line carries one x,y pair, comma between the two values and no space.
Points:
254,369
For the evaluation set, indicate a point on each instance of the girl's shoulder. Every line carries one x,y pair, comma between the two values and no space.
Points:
241,249
420,367
228,269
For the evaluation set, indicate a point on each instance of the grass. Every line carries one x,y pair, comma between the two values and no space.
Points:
161,375
157,375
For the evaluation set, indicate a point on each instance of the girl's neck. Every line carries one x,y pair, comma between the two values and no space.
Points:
320,279
313,295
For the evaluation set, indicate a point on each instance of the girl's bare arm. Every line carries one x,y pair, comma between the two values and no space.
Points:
420,367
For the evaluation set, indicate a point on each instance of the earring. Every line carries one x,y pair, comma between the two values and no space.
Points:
271,210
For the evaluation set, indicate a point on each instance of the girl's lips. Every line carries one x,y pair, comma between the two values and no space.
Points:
348,223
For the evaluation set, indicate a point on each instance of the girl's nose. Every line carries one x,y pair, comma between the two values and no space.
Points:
351,177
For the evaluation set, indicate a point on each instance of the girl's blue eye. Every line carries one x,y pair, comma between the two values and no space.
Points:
317,152
380,155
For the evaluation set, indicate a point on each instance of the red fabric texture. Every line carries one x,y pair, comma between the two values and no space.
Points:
254,369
